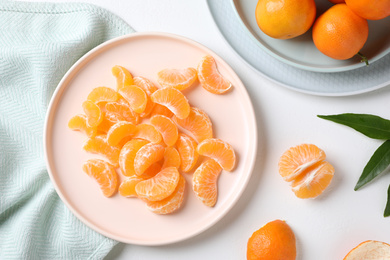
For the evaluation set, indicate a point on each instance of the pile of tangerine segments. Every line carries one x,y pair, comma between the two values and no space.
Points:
146,159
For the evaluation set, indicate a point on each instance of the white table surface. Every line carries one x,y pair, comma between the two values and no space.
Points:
327,227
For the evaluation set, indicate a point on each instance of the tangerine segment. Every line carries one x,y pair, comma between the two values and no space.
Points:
204,182
198,123
102,94
171,158
149,88
146,156
127,187
210,78
151,171
109,119
99,145
314,181
93,113
135,96
177,78
123,111
275,240
127,156
220,151
148,132
174,100
298,159
172,202
119,131
104,174
79,123
123,77
161,110
369,250
166,127
160,186
187,150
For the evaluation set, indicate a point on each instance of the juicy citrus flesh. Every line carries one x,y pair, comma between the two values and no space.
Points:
79,123
285,19
305,167
123,76
93,113
174,100
141,137
99,145
148,132
210,78
204,182
160,186
186,146
147,155
119,131
127,156
369,250
135,96
370,9
170,204
166,127
273,241
220,151
340,33
127,186
102,94
104,174
198,123
177,78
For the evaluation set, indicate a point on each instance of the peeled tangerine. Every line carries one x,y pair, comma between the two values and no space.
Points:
369,250
305,167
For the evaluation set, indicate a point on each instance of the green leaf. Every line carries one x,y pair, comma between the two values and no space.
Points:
379,161
387,209
370,125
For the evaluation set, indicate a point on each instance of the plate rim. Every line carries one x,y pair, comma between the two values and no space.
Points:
56,96
295,64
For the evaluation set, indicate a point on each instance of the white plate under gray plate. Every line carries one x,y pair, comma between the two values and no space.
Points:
344,83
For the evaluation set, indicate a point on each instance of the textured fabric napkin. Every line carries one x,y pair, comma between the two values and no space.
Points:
39,42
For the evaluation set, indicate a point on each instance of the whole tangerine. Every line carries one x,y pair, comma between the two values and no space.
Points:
285,19
370,9
340,33
273,241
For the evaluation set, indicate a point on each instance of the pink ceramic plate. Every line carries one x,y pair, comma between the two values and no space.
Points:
127,219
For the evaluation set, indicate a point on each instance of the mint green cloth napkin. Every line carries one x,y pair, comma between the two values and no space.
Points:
39,42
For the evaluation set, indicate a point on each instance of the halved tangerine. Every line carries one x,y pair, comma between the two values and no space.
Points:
177,78
102,94
93,113
160,186
123,76
172,202
148,132
104,174
99,145
146,156
166,127
204,182
220,151
135,96
198,123
186,146
79,123
174,100
127,155
127,187
119,131
210,78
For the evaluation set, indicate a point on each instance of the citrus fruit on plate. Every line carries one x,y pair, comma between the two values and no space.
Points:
125,218
301,52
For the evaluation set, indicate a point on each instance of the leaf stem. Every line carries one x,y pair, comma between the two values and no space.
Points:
363,58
